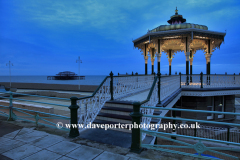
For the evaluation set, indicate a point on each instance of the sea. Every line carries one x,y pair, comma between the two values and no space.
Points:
89,80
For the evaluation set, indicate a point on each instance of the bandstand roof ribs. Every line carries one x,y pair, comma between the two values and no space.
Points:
178,29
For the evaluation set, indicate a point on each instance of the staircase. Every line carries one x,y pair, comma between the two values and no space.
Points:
115,112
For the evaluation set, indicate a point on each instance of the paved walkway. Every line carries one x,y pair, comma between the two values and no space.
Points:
28,144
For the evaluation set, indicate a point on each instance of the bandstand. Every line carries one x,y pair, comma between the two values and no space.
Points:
122,102
178,36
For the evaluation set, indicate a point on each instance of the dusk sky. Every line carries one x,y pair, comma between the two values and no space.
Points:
44,37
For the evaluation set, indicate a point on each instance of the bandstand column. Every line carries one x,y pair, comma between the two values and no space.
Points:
187,54
146,58
170,61
159,59
191,62
187,66
152,60
146,61
208,58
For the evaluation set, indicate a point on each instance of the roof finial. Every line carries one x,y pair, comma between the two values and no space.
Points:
176,11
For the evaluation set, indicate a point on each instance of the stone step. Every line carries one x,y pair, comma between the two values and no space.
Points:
119,104
97,121
119,118
122,111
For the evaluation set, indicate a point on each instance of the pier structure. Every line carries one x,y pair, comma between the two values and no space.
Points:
67,75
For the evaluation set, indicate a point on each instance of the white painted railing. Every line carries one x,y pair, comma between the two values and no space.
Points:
221,81
194,81
211,132
125,85
168,86
90,107
152,102
210,81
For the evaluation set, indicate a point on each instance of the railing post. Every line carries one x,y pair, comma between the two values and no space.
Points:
180,79
74,117
159,87
111,85
11,114
201,77
136,134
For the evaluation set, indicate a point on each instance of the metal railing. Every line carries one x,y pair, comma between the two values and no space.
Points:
32,115
209,81
199,147
205,131
112,87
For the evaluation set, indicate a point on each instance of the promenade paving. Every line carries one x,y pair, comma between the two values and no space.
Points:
28,144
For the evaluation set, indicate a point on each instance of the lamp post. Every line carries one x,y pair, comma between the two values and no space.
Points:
9,64
79,61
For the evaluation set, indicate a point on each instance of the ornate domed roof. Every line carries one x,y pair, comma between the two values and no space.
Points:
177,22
176,19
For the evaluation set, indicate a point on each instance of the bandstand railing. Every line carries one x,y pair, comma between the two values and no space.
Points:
209,81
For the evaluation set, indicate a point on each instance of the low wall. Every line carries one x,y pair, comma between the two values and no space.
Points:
29,106
45,86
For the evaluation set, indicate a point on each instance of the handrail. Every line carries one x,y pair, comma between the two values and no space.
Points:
133,75
150,92
191,110
35,95
95,90
213,74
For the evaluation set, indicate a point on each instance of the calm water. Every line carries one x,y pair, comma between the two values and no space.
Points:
89,80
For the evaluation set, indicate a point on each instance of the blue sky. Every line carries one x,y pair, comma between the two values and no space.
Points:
43,37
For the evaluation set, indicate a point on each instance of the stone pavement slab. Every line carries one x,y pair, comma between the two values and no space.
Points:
46,141
22,151
108,155
65,158
63,147
85,153
43,155
3,139
28,137
18,133
10,144
4,157
8,128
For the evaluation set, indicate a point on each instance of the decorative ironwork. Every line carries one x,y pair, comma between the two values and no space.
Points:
169,85
199,147
152,102
123,86
90,107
